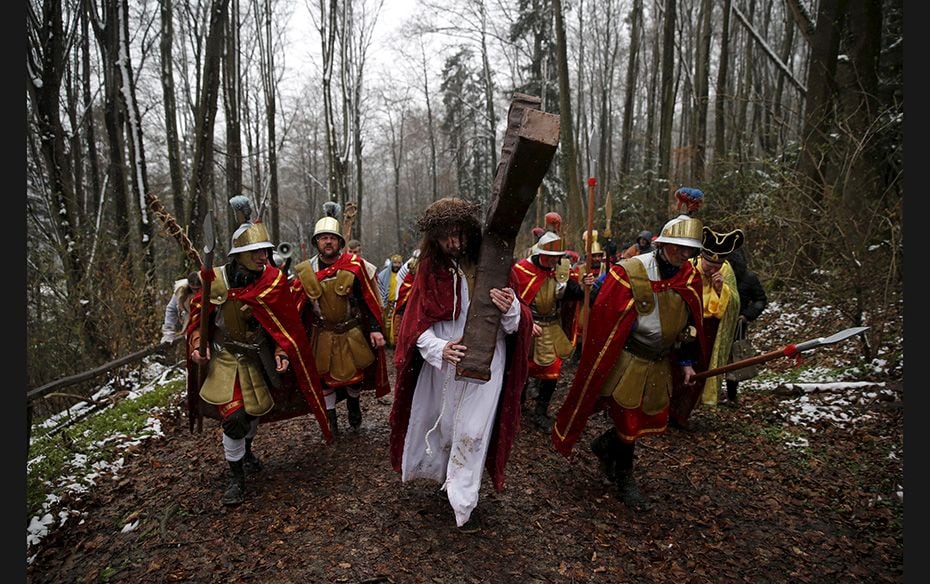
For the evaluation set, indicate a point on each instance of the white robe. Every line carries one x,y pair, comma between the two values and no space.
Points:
456,417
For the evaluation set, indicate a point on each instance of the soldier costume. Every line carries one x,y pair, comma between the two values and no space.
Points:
341,309
259,364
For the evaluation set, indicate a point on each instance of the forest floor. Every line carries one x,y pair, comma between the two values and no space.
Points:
761,493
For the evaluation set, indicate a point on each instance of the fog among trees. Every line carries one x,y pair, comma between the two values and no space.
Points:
144,116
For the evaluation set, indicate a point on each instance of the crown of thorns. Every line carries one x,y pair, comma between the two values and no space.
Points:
447,212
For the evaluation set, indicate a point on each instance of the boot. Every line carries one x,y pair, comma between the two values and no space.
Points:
541,418
626,482
252,463
235,492
541,413
731,394
354,409
629,491
602,447
333,425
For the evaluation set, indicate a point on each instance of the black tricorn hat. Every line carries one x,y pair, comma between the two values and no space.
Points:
717,246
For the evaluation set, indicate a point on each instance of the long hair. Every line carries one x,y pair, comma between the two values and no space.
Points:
443,215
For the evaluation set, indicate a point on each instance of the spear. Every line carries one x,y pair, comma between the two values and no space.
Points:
209,243
786,351
592,182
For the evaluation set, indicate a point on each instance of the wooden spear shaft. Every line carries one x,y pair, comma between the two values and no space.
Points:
592,182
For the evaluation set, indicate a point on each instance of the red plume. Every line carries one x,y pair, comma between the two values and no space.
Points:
554,222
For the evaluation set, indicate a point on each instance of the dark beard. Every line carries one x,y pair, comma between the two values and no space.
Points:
240,276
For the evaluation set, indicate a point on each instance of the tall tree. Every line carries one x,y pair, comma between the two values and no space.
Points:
576,215
201,179
701,91
632,73
172,141
723,66
668,96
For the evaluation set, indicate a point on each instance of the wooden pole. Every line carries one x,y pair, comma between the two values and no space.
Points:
592,182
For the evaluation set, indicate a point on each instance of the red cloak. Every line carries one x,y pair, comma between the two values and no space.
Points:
274,308
611,320
376,375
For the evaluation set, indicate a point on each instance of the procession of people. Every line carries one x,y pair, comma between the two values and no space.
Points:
266,344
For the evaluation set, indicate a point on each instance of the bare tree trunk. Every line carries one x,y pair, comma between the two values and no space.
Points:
143,261
93,164
202,169
701,78
821,74
744,92
45,66
720,100
107,30
172,142
576,216
632,72
430,126
397,159
232,98
668,97
269,87
488,95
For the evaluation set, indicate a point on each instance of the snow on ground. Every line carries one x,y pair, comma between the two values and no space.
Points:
82,477
818,396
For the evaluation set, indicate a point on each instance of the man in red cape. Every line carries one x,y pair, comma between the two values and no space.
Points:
340,304
544,282
445,429
260,367
639,315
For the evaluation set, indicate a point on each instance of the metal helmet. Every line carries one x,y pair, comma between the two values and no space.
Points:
549,244
682,230
328,223
595,245
250,236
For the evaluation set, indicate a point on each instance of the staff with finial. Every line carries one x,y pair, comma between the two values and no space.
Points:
592,182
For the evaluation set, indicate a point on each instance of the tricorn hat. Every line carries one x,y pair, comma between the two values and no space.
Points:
717,246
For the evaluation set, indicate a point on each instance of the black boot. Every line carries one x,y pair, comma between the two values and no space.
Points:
541,413
333,424
354,409
627,488
603,449
235,492
731,394
252,463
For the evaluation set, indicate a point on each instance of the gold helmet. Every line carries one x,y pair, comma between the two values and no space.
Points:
682,230
328,223
249,237
595,245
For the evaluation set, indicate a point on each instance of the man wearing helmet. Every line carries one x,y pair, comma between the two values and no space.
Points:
644,319
546,285
259,365
341,308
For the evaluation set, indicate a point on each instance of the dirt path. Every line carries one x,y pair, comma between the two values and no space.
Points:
733,503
